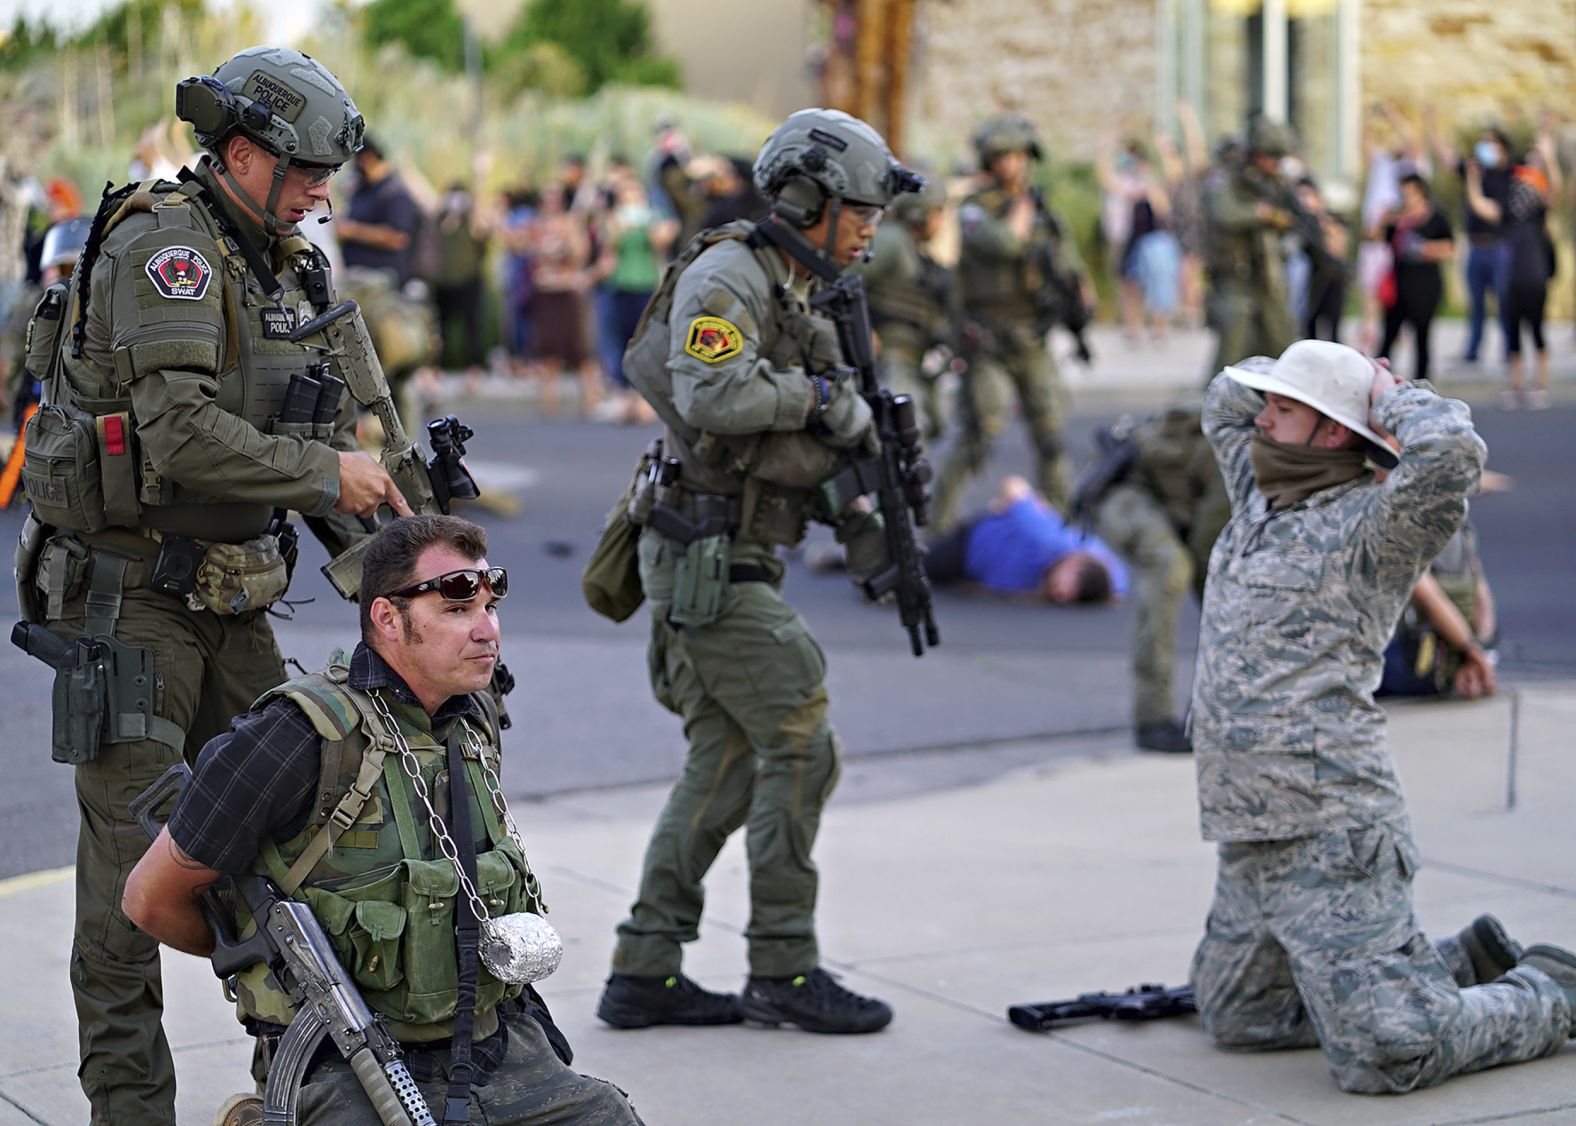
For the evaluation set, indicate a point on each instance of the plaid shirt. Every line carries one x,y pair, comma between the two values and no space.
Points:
260,776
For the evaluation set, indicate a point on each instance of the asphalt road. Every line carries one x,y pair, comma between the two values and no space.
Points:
1005,673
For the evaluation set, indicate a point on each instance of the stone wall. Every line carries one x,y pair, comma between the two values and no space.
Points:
1473,59
1074,67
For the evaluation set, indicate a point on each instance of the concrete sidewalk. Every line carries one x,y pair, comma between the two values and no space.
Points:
1069,875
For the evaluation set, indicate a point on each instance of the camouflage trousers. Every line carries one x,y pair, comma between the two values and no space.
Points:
1248,322
751,690
529,1086
1013,359
1313,941
1132,522
207,670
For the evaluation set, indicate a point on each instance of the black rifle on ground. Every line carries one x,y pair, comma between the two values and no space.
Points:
1141,1002
289,940
898,474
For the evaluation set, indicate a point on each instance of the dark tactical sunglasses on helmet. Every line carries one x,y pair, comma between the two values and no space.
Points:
461,586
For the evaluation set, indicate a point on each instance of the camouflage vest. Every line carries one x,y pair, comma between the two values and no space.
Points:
368,865
908,296
1003,288
1169,462
84,471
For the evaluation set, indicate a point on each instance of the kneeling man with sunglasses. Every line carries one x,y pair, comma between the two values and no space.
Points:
370,791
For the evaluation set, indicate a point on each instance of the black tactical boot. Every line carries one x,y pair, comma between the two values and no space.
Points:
1559,964
1480,952
815,1002
1164,735
629,1001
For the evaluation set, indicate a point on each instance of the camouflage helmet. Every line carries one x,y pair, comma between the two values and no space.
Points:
1267,137
1006,133
283,100
818,154
64,242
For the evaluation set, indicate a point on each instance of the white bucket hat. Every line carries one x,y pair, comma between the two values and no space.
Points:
1331,378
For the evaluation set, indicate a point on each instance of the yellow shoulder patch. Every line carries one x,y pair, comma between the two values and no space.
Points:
713,339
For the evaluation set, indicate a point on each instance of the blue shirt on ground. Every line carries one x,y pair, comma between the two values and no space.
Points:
1009,551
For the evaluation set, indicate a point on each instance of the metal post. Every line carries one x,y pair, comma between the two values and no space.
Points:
1276,62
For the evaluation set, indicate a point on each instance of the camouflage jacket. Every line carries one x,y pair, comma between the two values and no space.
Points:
1299,607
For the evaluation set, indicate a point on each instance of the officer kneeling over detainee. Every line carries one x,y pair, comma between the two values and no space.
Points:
381,863
1311,937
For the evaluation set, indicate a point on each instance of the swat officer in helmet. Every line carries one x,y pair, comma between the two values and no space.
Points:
913,299
1015,251
759,411
1246,212
162,475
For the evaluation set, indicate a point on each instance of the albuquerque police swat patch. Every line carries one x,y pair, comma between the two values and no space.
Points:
713,339
180,273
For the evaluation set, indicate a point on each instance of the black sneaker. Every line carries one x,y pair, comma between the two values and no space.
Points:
1164,735
814,1001
629,1001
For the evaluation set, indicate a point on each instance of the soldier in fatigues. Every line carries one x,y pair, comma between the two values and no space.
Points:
412,697
1248,304
758,412
913,300
1311,936
1162,514
1014,248
155,472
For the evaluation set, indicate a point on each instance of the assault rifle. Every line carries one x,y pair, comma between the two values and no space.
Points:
1060,299
1304,224
429,485
898,474
289,940
1141,1002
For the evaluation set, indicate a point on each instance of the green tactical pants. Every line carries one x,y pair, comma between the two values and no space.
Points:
902,358
1313,941
1248,322
207,669
750,688
1012,358
529,1087
1135,525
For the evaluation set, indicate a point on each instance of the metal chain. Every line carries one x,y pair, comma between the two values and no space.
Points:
495,788
440,831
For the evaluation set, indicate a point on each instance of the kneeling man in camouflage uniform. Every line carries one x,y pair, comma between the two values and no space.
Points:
1311,937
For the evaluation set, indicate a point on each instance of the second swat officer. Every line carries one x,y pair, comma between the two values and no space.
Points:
1246,213
913,299
159,472
1015,254
758,411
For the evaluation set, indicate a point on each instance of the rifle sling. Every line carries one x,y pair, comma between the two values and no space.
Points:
772,230
467,937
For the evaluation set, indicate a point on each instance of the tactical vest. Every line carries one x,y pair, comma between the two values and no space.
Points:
84,470
367,863
912,296
1168,463
1237,255
773,473
1002,288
